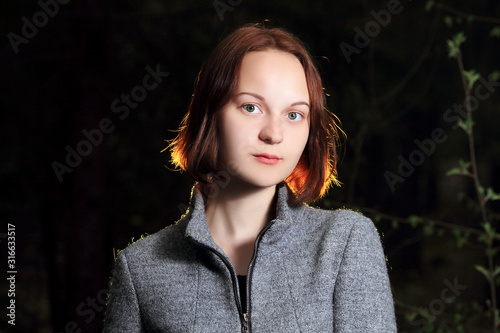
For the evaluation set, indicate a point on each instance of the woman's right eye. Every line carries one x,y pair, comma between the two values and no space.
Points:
251,108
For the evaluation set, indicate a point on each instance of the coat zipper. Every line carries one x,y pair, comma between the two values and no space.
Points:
244,317
234,280
249,275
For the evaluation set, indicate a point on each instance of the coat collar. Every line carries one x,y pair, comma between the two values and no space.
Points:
197,226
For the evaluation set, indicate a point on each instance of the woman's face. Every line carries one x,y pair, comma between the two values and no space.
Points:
265,127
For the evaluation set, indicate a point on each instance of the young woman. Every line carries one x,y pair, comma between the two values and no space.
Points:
250,255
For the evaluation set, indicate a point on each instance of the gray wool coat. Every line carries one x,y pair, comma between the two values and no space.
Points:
313,270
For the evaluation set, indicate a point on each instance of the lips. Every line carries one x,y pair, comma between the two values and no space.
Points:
267,158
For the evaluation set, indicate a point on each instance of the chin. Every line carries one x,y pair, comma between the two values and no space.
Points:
252,173
263,180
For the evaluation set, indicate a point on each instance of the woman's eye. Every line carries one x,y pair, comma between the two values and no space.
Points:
251,108
294,116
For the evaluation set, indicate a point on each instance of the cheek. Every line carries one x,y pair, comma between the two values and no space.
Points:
235,142
300,140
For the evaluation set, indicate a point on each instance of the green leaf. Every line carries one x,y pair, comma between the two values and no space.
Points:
472,76
429,5
481,190
483,271
495,32
455,171
464,164
463,169
414,220
448,20
454,44
496,271
452,49
466,124
411,316
461,238
459,38
494,76
394,224
490,195
488,228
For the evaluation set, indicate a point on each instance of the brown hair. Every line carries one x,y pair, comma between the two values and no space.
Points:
196,147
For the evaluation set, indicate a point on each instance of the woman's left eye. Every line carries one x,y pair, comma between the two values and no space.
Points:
295,116
250,108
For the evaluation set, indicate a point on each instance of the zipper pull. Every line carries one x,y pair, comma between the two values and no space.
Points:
244,324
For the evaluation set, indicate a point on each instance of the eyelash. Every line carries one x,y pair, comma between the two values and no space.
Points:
245,105
300,115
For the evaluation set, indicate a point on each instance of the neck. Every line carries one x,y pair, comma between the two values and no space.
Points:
236,216
240,212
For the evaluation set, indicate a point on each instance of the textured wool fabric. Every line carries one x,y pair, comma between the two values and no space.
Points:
314,271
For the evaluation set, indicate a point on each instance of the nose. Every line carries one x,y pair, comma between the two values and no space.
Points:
271,132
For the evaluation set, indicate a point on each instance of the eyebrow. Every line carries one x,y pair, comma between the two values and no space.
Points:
259,97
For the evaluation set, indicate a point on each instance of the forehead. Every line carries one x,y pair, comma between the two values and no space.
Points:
272,71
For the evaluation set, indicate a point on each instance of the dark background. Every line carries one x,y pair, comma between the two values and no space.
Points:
64,79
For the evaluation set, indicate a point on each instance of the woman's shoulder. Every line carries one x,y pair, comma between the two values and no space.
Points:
340,229
336,223
342,217
161,243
